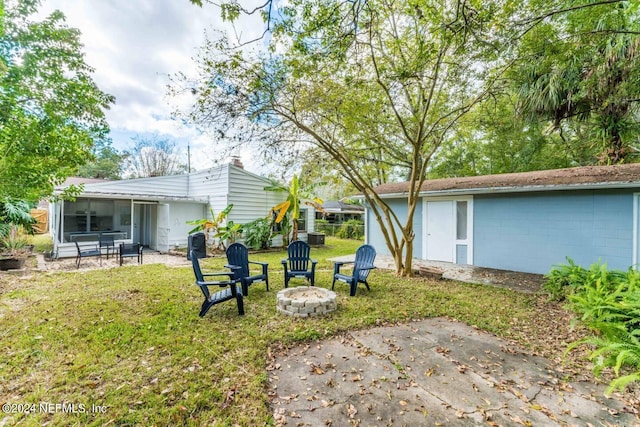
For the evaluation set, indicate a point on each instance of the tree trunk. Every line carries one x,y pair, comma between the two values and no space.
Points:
408,260
294,233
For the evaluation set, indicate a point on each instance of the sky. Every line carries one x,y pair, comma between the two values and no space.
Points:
134,46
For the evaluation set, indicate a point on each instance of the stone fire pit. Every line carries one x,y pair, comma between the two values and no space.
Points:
306,301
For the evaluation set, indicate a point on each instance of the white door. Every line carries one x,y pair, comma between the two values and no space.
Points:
440,231
163,228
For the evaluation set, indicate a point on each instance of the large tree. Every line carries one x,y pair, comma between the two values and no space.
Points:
374,85
108,163
51,111
493,138
153,156
579,68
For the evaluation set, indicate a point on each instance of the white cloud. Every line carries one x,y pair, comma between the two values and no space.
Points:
134,46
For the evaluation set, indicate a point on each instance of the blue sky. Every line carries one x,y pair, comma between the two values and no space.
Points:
134,46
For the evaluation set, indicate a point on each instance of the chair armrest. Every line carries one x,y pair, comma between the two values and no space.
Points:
314,261
232,267
284,261
230,275
219,283
264,265
343,262
258,263
358,268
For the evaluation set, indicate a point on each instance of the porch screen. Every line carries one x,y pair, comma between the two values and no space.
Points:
88,219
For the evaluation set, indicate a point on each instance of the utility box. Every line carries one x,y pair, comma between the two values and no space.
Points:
197,243
315,238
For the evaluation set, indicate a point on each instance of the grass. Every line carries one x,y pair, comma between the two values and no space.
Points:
130,339
41,242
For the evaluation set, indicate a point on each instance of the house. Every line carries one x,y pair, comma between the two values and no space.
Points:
154,211
337,211
524,222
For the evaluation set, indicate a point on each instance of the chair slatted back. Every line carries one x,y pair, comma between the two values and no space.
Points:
365,255
197,271
238,255
299,255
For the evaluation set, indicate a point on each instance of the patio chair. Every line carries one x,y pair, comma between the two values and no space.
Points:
297,263
86,251
232,291
108,243
130,250
362,265
238,259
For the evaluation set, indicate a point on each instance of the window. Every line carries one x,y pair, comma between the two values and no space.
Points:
302,221
461,220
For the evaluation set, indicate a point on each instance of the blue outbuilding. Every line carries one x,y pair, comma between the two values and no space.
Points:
526,221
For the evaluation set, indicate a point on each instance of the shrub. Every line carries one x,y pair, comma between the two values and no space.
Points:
608,302
351,229
566,279
257,234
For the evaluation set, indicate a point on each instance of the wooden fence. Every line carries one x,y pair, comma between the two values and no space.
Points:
42,220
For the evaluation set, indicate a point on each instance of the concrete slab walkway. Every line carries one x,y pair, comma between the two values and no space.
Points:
523,282
434,372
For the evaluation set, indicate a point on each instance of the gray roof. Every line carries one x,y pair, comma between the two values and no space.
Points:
336,206
615,176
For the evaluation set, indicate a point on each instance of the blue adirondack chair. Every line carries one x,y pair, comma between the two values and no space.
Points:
362,265
238,259
297,263
232,291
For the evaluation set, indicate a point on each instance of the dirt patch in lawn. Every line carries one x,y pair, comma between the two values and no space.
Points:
524,282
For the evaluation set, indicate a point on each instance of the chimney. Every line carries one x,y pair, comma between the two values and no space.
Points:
235,161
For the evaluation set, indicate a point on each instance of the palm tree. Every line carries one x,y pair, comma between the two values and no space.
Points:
295,194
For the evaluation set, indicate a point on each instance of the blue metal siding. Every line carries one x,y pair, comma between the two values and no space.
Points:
399,206
532,232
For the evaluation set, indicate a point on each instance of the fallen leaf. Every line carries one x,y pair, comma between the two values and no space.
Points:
351,411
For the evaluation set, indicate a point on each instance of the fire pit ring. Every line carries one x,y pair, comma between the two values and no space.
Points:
306,301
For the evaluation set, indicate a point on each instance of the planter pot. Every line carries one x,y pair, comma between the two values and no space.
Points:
11,263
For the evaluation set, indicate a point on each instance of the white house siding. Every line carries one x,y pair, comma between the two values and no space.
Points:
166,186
181,198
179,214
211,183
250,200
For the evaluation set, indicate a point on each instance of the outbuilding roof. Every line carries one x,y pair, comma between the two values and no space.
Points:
337,206
615,176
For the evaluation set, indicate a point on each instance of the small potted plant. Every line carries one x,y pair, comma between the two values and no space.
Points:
15,219
14,250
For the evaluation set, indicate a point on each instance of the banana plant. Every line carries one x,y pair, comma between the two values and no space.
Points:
229,233
291,206
210,225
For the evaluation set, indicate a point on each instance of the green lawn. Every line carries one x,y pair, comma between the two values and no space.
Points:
130,338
